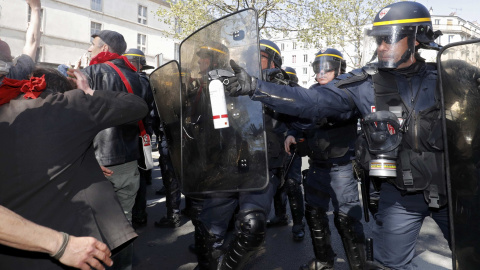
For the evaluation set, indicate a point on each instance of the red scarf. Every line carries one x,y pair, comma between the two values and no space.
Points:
10,88
107,56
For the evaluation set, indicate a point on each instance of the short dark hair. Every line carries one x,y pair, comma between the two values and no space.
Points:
56,81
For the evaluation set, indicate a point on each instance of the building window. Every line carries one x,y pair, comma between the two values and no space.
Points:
304,83
283,59
39,56
96,5
142,14
437,21
282,46
142,42
305,58
95,28
450,38
449,22
305,70
294,58
177,51
41,17
294,46
178,28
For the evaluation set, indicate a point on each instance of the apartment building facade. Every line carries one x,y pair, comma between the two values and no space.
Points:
67,26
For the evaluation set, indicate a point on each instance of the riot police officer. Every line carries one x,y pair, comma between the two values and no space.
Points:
292,188
398,88
330,148
139,213
292,74
253,205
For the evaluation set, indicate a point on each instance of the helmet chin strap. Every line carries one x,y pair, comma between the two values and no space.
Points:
405,57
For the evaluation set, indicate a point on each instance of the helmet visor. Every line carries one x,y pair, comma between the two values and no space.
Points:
325,64
388,46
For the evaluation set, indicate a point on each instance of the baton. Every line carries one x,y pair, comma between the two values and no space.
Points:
363,187
289,165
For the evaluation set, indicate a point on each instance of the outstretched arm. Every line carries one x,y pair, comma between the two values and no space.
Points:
32,38
80,252
328,101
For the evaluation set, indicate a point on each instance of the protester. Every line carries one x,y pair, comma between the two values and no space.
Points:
25,62
117,148
79,252
50,175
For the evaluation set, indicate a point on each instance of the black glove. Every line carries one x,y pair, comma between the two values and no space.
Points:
242,84
272,74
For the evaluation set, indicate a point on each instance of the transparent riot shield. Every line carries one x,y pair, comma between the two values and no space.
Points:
459,69
166,85
223,139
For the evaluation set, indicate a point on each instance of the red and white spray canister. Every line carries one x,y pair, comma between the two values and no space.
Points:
219,105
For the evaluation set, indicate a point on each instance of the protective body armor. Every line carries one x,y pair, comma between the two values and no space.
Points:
275,128
420,159
330,141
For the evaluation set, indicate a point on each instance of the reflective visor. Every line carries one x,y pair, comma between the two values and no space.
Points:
327,62
384,46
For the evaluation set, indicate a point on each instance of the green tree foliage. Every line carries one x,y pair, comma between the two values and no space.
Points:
341,25
333,23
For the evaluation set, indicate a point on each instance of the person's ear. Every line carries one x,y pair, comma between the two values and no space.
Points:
105,48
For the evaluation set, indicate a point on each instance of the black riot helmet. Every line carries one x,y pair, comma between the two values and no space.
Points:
272,51
292,74
137,58
217,53
327,60
395,22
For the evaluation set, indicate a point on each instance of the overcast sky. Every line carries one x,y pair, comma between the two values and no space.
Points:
466,9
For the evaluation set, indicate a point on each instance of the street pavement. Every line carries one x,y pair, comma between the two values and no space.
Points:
167,248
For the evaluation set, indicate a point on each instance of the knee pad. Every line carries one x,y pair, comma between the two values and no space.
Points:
252,222
312,212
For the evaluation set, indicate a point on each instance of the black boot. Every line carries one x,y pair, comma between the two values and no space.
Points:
140,219
207,254
317,221
249,238
298,232
171,220
353,239
278,221
280,206
295,197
